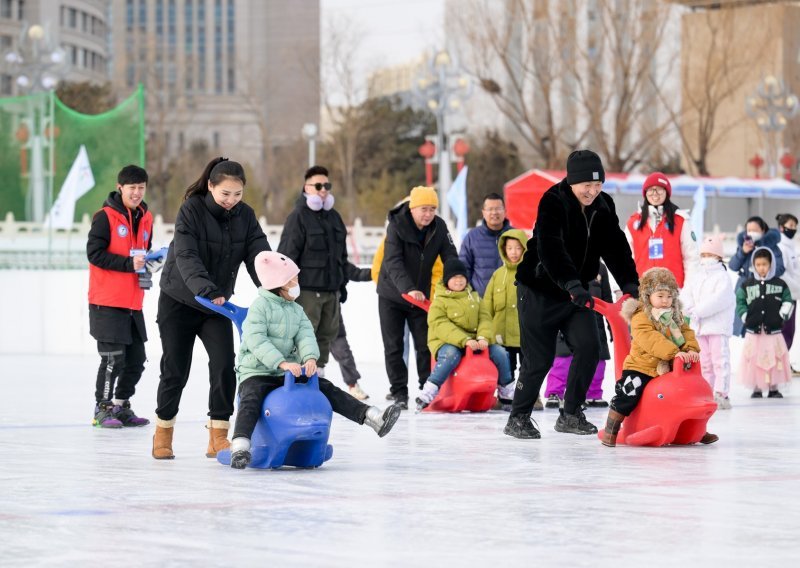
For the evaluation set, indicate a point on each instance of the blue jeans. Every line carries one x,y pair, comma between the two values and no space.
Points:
449,356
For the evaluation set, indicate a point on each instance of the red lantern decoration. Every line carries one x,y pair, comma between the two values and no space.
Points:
461,148
788,161
757,161
427,151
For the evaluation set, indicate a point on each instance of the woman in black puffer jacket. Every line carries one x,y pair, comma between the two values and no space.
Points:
214,233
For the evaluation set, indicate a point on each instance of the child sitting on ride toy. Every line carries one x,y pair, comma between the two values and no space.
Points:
277,336
457,320
659,335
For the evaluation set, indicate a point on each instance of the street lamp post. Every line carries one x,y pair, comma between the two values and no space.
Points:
37,65
443,88
310,133
771,107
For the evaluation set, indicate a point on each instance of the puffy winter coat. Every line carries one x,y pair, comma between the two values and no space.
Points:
759,300
275,330
409,254
209,246
456,317
568,242
679,253
709,300
741,262
649,345
500,299
791,265
317,242
599,288
479,254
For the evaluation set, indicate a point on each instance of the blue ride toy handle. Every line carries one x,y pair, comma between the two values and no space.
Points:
289,381
231,311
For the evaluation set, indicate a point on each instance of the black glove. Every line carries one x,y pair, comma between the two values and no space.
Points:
580,295
631,288
343,294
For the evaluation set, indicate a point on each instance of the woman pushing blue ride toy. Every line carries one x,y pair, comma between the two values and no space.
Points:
278,341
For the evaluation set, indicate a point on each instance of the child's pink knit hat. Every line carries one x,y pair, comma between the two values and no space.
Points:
274,269
712,245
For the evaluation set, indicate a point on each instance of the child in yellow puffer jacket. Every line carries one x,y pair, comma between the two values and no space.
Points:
457,320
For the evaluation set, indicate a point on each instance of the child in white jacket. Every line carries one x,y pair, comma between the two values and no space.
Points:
709,300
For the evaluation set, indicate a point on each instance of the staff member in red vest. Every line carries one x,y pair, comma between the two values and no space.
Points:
121,234
665,239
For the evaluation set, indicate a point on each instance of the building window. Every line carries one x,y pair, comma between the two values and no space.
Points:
73,18
85,22
130,75
180,141
231,47
5,42
216,140
201,45
21,10
143,15
6,84
5,9
218,46
189,49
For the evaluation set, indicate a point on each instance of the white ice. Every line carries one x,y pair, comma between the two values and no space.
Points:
439,490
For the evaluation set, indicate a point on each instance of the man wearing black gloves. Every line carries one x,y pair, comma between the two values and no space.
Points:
576,226
315,238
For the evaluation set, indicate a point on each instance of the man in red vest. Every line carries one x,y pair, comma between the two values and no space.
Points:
660,235
121,235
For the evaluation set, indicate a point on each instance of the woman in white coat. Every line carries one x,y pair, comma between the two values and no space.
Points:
709,300
787,225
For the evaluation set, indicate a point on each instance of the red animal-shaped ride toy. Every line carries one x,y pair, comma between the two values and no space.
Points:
472,383
674,408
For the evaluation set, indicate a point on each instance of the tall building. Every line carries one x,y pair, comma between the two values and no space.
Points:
240,75
79,26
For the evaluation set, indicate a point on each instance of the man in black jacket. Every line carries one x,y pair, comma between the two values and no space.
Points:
315,238
576,225
415,237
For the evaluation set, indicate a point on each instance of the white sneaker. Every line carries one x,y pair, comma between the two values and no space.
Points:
506,392
357,392
723,402
426,396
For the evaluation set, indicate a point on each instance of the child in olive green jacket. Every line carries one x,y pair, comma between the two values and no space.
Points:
457,320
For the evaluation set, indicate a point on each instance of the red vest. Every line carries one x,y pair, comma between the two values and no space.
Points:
672,255
111,287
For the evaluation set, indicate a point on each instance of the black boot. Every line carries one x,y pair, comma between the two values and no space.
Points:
574,424
521,426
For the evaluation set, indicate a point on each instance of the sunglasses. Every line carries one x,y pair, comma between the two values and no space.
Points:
320,186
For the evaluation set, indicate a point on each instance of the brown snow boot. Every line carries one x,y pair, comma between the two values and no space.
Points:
217,437
162,439
613,423
709,438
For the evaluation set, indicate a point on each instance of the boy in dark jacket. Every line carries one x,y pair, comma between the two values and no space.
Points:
576,226
415,237
121,234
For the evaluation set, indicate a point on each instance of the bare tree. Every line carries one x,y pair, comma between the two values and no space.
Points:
712,78
565,82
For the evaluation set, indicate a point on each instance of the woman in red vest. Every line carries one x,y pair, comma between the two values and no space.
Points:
665,239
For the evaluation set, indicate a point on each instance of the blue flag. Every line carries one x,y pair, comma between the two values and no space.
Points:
457,200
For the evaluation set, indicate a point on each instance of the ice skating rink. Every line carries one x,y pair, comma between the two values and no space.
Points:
440,490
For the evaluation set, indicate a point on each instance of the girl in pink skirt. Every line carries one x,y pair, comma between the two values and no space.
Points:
763,302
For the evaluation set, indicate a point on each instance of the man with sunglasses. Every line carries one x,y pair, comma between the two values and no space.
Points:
315,238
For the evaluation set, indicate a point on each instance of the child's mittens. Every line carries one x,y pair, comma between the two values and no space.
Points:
786,310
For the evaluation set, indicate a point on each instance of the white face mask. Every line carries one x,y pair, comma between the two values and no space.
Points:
755,235
708,261
293,292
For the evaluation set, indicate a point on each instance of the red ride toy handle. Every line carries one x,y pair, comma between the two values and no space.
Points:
619,329
421,304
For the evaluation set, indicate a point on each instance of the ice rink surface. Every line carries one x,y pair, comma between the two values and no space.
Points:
439,490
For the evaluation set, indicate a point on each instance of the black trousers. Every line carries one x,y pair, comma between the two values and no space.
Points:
393,317
540,319
121,367
628,391
340,349
323,310
254,390
514,354
179,325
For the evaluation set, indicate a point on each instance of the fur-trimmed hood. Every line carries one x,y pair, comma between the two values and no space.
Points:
653,280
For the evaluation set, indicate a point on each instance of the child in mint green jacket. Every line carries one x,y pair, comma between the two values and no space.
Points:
277,336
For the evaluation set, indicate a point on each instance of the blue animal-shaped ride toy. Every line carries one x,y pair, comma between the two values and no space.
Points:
295,420
293,429
472,383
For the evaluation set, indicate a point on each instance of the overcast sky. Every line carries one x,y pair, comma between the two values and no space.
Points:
392,31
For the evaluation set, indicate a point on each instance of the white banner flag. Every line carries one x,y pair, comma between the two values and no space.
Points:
79,180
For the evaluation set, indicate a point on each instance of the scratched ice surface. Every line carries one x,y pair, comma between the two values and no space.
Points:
440,490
